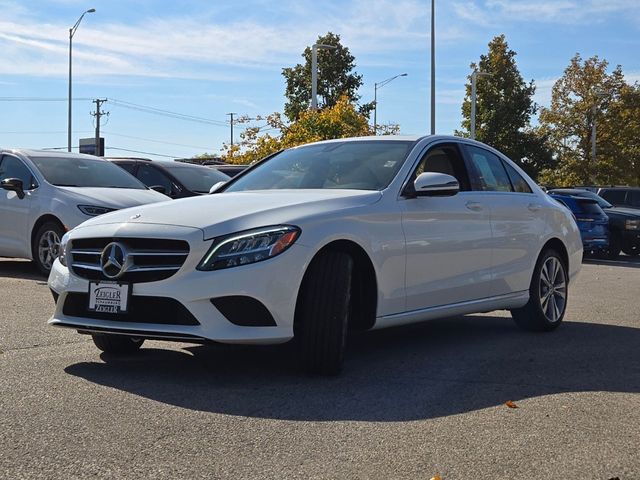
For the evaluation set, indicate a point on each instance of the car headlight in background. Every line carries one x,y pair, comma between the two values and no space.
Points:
62,249
250,246
632,224
93,210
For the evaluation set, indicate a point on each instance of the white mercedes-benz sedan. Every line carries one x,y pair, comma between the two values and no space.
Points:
317,240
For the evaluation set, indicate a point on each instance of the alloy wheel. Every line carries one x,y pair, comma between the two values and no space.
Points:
553,289
48,247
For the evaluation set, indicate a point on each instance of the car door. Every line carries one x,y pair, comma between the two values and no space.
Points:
15,211
448,239
517,220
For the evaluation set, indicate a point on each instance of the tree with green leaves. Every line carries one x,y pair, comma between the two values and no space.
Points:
504,107
336,78
587,94
338,121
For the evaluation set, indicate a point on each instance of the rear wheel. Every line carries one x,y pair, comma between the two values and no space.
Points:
632,250
110,343
323,315
547,295
46,244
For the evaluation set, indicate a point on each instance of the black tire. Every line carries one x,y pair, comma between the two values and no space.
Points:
615,245
109,343
535,315
322,317
47,232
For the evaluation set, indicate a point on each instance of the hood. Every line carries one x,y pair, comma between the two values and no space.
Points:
621,212
116,198
224,213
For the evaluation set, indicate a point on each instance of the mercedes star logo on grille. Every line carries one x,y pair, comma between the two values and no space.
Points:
115,260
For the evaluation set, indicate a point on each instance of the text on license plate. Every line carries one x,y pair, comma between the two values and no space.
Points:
109,297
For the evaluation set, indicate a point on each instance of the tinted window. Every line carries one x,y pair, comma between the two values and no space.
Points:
614,196
13,167
360,165
152,177
491,173
128,166
635,198
519,183
589,206
84,172
198,179
445,159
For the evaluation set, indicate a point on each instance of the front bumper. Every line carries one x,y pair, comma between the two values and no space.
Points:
274,283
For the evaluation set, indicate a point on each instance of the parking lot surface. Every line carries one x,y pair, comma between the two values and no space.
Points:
412,402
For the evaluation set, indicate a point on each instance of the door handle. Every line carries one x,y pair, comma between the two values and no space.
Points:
475,206
534,207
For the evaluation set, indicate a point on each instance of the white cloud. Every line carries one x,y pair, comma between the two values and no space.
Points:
197,47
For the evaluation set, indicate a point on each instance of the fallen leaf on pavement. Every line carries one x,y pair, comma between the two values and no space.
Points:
437,477
511,404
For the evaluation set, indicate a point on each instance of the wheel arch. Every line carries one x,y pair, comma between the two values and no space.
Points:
48,217
557,245
364,285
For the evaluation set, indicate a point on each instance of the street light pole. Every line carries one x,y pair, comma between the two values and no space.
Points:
474,80
72,32
594,111
376,86
433,67
314,71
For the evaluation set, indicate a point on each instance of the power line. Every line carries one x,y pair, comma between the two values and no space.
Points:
144,153
155,141
167,113
39,99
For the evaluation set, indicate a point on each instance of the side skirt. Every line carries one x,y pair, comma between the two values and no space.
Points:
501,302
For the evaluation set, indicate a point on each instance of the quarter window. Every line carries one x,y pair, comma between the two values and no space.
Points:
491,173
12,167
519,184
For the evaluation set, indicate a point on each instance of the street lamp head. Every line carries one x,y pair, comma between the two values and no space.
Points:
91,10
325,46
403,74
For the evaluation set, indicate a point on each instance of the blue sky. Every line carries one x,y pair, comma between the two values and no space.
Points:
208,58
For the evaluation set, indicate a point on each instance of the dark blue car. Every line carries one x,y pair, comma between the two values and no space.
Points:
592,222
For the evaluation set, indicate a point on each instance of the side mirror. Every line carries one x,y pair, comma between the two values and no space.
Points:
158,188
13,185
432,184
216,186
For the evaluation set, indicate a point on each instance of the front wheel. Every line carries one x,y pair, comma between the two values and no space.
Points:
110,343
322,316
632,250
547,295
46,244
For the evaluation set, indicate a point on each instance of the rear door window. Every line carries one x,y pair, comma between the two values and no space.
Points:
520,185
490,172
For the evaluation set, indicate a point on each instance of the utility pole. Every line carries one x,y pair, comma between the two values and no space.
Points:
98,114
231,123
433,67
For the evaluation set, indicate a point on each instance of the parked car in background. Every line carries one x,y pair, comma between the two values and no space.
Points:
357,233
624,223
44,194
621,196
175,179
228,168
592,222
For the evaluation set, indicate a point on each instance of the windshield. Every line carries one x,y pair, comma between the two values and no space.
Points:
84,172
198,179
359,165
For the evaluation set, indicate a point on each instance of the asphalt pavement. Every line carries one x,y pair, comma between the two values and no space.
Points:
412,402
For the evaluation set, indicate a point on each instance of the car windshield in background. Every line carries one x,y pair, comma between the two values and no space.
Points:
84,172
197,179
362,165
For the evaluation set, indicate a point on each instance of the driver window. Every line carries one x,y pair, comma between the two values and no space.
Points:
445,159
12,167
152,177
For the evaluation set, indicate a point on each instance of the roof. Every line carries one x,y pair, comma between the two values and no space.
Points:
48,153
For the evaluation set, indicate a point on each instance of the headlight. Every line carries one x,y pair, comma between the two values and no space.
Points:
93,210
632,224
250,246
62,249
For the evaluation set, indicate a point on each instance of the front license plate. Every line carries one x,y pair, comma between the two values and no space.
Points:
109,297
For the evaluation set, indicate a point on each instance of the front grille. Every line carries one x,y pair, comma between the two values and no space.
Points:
152,259
141,309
